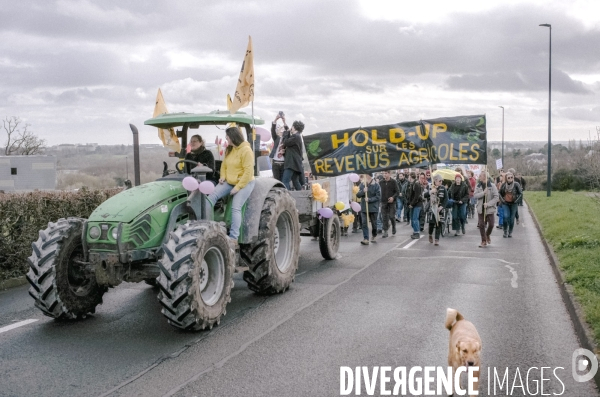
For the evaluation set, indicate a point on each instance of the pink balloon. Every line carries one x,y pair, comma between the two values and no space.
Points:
189,183
353,177
264,134
326,212
355,206
206,187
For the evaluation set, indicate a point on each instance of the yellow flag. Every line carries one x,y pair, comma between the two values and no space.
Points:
244,92
168,137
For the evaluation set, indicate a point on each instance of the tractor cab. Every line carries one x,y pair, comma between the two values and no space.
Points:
186,122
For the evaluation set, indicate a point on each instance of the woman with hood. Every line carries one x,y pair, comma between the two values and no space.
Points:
200,155
486,195
237,177
459,192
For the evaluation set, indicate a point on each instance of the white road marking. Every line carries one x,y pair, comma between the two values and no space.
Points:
465,257
513,281
17,325
407,246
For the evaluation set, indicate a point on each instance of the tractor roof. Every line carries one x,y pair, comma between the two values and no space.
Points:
216,117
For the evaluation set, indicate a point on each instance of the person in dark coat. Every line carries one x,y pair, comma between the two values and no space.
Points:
293,169
459,192
402,182
438,197
370,207
200,155
277,153
415,203
389,194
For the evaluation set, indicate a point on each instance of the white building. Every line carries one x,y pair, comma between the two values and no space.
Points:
27,173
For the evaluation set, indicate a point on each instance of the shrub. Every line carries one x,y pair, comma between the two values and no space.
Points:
563,180
22,215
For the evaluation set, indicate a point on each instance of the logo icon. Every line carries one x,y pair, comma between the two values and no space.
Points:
582,360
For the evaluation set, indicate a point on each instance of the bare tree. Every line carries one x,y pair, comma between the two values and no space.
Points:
19,139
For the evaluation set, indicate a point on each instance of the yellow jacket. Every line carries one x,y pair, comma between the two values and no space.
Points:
238,166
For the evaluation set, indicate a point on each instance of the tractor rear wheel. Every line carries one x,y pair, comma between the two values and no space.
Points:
196,275
60,284
272,262
329,237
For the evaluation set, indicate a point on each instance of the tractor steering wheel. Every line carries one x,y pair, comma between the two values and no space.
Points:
182,170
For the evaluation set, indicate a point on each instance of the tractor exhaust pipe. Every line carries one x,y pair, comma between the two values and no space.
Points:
136,154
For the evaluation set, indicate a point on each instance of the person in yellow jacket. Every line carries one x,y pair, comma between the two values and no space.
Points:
237,177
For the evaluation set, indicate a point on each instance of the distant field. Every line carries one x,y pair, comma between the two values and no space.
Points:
108,168
569,222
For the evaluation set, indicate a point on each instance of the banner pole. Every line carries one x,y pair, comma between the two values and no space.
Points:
484,187
256,173
435,210
367,207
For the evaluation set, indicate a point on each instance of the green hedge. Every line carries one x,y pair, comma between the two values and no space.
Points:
22,215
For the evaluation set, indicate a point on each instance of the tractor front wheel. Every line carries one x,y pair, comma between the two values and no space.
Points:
196,275
61,284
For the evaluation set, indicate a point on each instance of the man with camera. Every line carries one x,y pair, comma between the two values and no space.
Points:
278,151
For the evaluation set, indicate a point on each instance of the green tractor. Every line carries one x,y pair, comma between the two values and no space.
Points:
171,238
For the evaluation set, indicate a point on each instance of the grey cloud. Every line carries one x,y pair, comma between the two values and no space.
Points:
332,37
57,61
527,80
581,113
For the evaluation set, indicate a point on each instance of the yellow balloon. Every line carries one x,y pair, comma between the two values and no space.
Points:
339,206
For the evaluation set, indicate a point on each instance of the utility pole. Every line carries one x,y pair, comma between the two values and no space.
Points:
502,135
549,178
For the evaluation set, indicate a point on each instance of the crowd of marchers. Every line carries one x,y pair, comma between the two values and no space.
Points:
418,198
425,201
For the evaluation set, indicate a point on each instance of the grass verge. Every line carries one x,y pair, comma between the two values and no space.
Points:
570,224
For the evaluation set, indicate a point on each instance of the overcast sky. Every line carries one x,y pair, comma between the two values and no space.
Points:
81,71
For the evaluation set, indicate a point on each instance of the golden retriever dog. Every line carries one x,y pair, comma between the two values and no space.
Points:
465,344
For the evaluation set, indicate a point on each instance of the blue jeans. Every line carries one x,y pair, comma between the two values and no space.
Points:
500,216
416,211
372,222
459,214
399,206
379,221
510,211
291,175
224,189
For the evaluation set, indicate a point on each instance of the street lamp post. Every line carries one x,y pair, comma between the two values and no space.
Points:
549,178
502,135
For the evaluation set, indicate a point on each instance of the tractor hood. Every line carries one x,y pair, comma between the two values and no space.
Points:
130,203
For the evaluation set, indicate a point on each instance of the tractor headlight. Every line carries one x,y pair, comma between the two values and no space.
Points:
94,232
114,233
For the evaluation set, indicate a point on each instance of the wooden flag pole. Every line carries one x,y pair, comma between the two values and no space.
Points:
484,187
367,207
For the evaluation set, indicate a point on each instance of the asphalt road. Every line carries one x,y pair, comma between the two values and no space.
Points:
380,305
